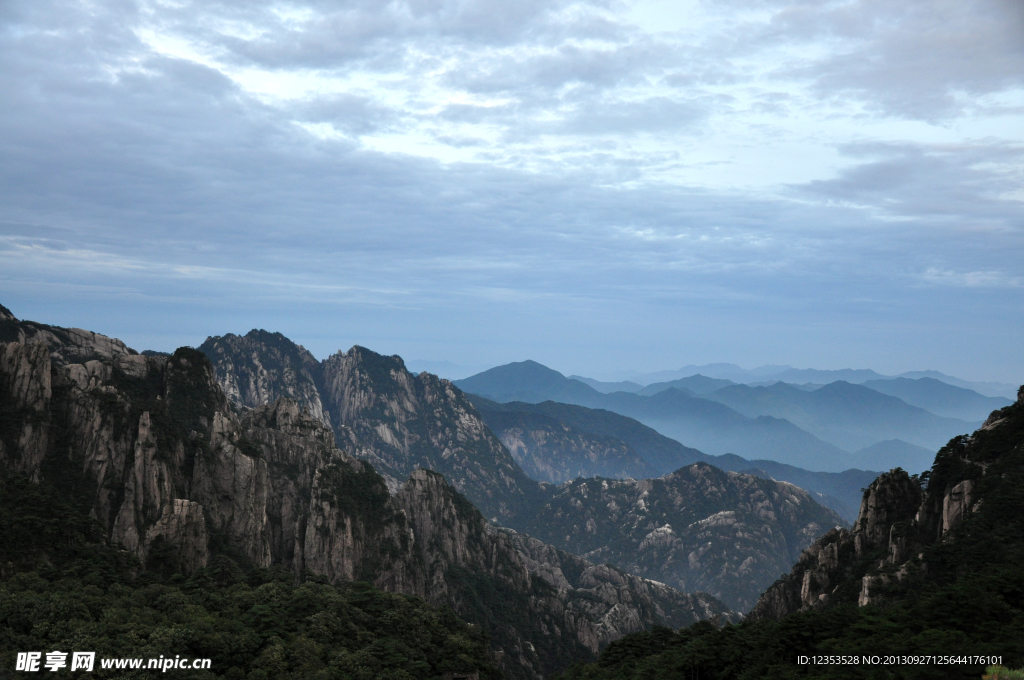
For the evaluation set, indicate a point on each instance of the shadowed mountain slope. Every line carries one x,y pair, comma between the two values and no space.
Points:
849,416
940,398
708,425
549,450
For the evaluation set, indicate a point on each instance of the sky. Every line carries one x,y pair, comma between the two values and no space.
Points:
605,187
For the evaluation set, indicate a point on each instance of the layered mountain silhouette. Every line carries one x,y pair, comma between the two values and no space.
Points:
818,429
764,375
896,453
846,415
694,384
940,398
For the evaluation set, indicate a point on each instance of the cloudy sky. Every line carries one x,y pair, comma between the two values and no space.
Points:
605,186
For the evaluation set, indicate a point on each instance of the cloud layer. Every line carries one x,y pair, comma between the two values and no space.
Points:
602,186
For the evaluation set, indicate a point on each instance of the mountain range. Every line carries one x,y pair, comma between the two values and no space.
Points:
400,422
362,406
250,458
175,476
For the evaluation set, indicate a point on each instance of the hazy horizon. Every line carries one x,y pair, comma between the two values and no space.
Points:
455,370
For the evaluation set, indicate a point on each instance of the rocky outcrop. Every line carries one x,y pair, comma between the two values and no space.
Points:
605,603
901,518
66,345
697,529
889,503
259,368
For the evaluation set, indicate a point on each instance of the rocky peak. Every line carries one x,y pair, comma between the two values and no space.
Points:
405,422
261,367
893,497
66,345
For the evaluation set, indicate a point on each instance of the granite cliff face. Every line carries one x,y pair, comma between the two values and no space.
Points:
259,368
381,412
905,520
404,422
699,528
152,448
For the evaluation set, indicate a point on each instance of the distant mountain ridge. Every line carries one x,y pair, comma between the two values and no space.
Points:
781,373
695,384
941,398
708,425
849,416
819,429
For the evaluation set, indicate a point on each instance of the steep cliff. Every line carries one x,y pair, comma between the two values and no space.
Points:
404,422
259,368
908,524
699,528
381,412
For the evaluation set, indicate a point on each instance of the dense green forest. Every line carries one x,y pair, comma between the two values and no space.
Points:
62,589
964,598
